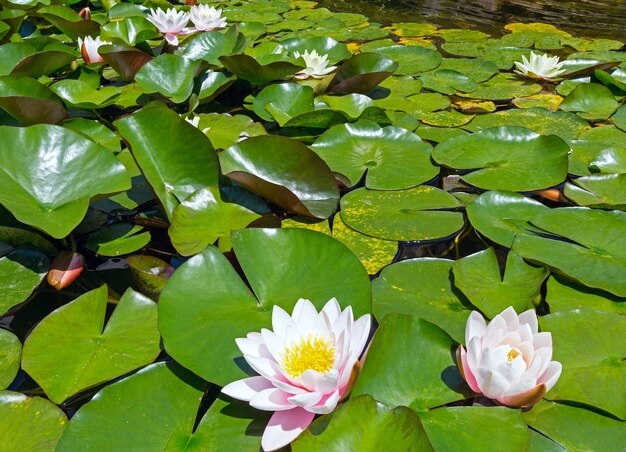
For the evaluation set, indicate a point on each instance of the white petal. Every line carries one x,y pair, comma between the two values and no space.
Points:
306,400
284,427
280,321
252,348
551,375
272,399
329,404
359,334
475,326
510,317
530,317
275,344
332,309
247,388
327,382
305,316
491,383
541,340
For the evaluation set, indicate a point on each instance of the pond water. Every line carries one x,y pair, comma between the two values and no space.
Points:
588,18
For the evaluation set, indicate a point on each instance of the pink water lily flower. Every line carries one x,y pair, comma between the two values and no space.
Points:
171,23
508,360
305,366
89,49
207,18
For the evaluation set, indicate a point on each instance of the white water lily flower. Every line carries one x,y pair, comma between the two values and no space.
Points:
316,65
207,18
508,360
540,66
171,23
89,49
305,366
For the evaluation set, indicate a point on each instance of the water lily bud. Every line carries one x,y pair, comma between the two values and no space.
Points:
191,2
89,49
306,365
85,13
66,267
508,360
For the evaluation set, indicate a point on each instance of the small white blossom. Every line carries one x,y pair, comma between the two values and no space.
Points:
207,18
316,65
540,66
171,23
89,49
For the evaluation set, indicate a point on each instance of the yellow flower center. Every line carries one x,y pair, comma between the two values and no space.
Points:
309,352
513,353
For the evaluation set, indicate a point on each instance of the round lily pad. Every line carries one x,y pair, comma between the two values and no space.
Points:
10,354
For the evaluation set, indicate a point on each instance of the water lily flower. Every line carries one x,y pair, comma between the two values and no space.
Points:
540,66
89,49
508,360
305,366
316,65
65,268
207,18
171,23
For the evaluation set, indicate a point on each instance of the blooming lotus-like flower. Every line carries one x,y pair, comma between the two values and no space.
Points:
207,18
89,49
540,66
508,360
305,366
171,23
316,65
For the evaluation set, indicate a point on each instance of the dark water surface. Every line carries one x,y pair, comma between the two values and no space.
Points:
583,18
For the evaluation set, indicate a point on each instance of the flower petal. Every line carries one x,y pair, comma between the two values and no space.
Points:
465,369
247,388
332,309
530,318
280,321
307,399
284,427
526,398
475,326
272,399
551,375
328,405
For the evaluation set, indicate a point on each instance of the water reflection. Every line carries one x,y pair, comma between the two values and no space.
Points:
591,18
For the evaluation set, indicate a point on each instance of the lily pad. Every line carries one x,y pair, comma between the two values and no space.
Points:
169,75
610,161
131,30
29,423
501,215
507,158
285,172
280,265
362,424
423,288
565,295
593,253
362,73
591,101
336,51
56,199
247,68
411,60
226,130
80,94
68,21
599,191
175,157
391,374
21,272
118,239
210,46
66,359
447,81
503,87
421,213
478,277
29,101
392,157
10,354
126,60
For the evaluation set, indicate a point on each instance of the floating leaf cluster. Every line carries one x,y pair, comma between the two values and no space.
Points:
159,197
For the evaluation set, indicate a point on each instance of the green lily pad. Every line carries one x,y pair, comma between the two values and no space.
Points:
451,118
56,199
591,101
591,348
474,426
478,277
576,428
21,272
606,191
447,81
175,157
583,153
96,132
362,73
438,134
476,69
594,253
66,359
80,94
392,157
336,51
393,376
68,21
373,253
282,101
131,30
10,354
354,106
365,424
29,423
169,75
565,295
29,101
423,288
210,46
609,135
563,124
619,118
204,217
150,274
503,87
501,215
280,265
117,239
160,406
411,60
226,130
407,215
285,172
248,68
610,161
507,158
24,59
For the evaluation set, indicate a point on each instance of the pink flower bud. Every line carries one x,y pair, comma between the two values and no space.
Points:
65,269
